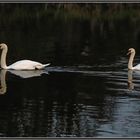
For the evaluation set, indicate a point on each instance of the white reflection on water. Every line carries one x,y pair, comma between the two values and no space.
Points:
28,74
89,115
3,87
130,80
22,74
133,80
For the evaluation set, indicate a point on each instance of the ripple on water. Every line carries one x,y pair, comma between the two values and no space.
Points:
115,118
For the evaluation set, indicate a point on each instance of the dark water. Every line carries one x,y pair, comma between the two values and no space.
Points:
83,93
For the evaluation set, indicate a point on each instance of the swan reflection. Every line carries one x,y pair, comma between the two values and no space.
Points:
130,80
132,73
3,87
28,74
22,74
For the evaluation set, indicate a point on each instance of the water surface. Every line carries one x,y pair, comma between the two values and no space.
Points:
87,90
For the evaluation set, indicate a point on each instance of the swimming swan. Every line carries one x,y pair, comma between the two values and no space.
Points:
132,52
19,65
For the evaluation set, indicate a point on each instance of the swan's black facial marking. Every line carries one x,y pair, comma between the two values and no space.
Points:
0,46
131,50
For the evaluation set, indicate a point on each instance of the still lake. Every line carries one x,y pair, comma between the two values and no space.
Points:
84,92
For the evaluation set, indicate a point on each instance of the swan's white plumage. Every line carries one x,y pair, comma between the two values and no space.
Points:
19,65
132,52
137,67
26,65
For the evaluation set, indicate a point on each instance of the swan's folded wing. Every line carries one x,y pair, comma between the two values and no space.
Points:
24,65
137,67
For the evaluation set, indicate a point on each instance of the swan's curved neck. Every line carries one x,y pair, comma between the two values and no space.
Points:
3,58
130,62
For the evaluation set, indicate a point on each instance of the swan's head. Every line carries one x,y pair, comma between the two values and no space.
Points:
3,46
130,51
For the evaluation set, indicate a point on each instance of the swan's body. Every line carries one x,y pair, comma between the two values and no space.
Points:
132,52
19,65
26,65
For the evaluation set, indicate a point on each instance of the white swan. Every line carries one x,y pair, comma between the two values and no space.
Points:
19,65
132,52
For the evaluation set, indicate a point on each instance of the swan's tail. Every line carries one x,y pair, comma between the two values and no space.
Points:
41,66
45,65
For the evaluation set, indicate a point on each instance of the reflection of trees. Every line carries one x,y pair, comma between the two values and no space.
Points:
64,34
63,30
58,105
76,9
